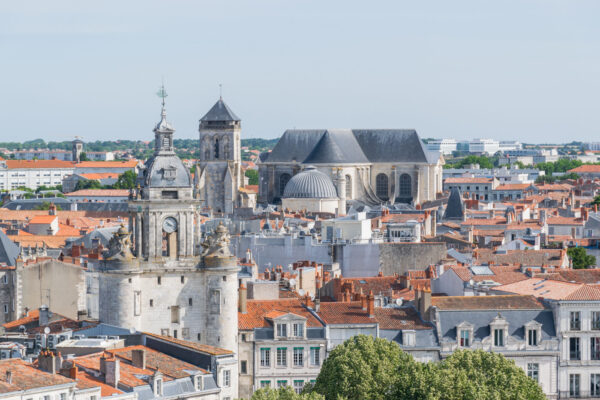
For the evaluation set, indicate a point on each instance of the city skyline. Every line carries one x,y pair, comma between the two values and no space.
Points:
518,70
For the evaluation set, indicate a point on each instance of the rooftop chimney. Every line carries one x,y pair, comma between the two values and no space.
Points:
113,372
371,304
317,305
363,302
243,299
44,315
138,358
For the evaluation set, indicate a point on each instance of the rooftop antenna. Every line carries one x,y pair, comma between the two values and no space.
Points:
162,93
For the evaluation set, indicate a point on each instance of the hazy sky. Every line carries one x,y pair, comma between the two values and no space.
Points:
525,70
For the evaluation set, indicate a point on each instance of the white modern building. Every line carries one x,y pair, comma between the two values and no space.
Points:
484,146
33,174
444,146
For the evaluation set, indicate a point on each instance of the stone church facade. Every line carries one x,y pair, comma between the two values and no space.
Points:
367,166
157,276
219,172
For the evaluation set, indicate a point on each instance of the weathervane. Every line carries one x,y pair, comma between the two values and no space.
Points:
162,93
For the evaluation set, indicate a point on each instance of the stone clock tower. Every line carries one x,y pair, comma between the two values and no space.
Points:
157,276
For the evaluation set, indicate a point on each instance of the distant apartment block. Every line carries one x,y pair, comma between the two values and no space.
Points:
33,173
484,146
444,146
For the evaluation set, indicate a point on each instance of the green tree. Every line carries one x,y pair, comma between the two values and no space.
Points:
596,200
362,368
285,393
46,206
252,175
581,259
83,156
88,184
126,180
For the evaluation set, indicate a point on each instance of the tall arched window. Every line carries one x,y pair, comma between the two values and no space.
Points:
381,186
283,180
216,149
405,185
348,187
226,152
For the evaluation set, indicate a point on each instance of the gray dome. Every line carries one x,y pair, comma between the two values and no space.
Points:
310,184
166,171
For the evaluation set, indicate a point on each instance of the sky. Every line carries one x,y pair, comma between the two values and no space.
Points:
511,70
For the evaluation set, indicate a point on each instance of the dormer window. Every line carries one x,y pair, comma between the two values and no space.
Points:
298,329
157,384
499,337
282,330
464,334
169,173
499,330
409,338
532,338
465,338
533,330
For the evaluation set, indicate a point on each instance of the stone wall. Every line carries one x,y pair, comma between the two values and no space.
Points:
401,257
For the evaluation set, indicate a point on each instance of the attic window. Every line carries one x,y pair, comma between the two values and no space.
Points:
169,194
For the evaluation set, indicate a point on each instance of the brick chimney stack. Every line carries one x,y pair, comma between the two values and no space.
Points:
243,299
371,304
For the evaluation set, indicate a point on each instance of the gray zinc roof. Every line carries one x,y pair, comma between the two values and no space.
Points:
220,112
336,147
9,251
369,145
310,183
454,208
480,320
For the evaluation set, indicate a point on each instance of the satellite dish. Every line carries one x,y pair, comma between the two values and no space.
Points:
292,282
301,292
46,330
132,330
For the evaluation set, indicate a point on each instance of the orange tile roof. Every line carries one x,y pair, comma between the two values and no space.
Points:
513,186
524,257
501,274
564,221
216,351
99,176
399,318
99,193
468,180
334,313
32,315
503,302
52,242
107,164
43,219
86,380
257,311
66,230
38,164
26,377
551,289
586,169
485,221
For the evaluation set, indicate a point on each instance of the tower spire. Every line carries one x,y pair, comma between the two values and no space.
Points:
220,91
162,93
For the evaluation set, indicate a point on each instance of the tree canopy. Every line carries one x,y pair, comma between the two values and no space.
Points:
581,259
126,180
285,393
367,368
252,175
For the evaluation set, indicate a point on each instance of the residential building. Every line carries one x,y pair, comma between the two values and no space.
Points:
33,174
519,327
280,342
477,188
99,195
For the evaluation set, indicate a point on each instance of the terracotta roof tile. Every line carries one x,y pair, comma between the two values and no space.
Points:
26,377
334,313
216,351
38,164
107,164
43,219
399,318
257,311
504,302
552,289
586,169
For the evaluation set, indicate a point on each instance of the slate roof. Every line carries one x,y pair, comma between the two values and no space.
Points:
336,147
454,208
349,146
220,112
9,251
481,319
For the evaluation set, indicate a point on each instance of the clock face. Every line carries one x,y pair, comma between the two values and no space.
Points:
170,225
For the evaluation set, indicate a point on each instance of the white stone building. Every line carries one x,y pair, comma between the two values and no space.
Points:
371,166
444,146
484,146
163,280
